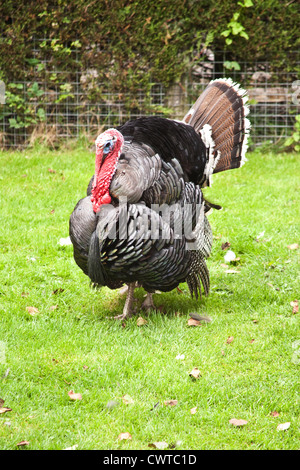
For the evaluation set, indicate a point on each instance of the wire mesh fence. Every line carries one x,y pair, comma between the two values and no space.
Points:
59,104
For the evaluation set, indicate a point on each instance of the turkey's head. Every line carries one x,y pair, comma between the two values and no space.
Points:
108,150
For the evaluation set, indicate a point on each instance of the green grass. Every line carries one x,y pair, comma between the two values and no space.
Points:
76,347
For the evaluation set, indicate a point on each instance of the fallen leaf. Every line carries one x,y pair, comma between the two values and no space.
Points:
251,340
74,396
24,294
193,322
193,410
295,306
238,422
65,241
232,271
23,443
180,356
141,321
51,171
74,447
229,340
127,399
230,256
52,211
171,402
57,291
32,310
195,373
159,445
85,367
4,410
225,246
224,265
53,307
124,436
283,426
293,246
275,414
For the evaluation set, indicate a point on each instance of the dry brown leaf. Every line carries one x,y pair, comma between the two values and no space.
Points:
225,245
159,445
229,340
193,322
24,294
141,321
295,306
32,310
4,410
293,246
123,436
58,291
195,373
275,414
23,443
237,422
74,396
171,402
283,426
251,341
193,410
127,399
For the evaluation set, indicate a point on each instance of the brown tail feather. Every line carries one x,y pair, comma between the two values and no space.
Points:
219,116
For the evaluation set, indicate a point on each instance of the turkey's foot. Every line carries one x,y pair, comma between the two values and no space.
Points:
127,310
148,303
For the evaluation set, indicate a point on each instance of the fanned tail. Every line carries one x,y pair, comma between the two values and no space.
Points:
219,116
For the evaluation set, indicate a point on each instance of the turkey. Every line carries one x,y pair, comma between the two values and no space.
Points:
144,219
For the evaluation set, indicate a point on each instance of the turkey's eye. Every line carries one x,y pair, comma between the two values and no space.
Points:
108,146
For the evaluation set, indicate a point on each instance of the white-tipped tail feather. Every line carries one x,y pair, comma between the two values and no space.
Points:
220,116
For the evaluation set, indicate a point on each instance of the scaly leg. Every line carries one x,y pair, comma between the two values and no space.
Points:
148,303
127,310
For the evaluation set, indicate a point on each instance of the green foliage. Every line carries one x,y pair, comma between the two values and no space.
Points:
132,44
294,140
26,110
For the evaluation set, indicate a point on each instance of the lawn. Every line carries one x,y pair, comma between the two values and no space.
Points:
248,355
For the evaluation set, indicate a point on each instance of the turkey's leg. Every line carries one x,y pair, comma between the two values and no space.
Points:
127,310
148,302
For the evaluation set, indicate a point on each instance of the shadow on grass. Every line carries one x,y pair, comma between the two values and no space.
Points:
167,303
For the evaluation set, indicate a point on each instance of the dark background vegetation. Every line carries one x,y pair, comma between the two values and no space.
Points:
130,41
